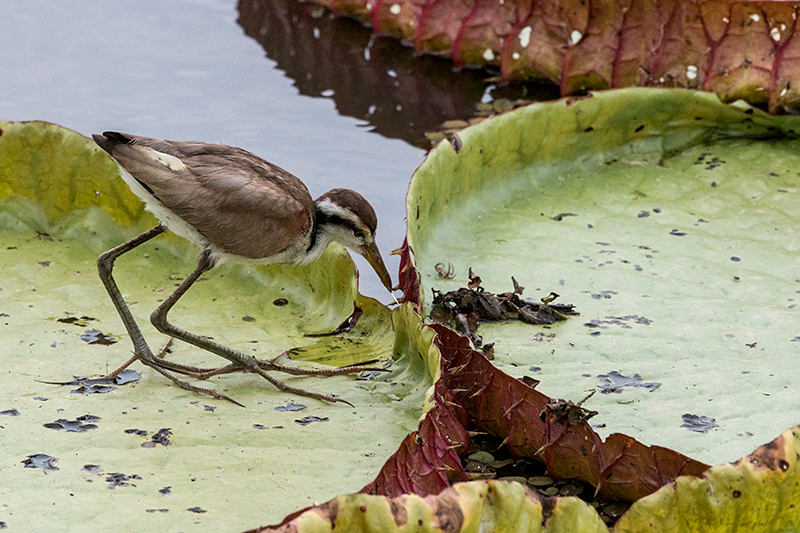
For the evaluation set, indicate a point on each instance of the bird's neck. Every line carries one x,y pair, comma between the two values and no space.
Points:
321,237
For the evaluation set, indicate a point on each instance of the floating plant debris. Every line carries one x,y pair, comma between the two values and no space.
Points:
445,272
93,389
467,307
566,411
306,420
622,321
74,426
290,406
40,460
698,423
76,321
615,382
94,336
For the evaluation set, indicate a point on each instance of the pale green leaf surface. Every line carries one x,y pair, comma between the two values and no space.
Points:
758,494
218,459
720,334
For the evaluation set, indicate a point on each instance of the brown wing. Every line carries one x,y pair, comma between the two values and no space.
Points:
241,203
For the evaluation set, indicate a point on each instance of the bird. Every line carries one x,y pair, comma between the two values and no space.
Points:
233,205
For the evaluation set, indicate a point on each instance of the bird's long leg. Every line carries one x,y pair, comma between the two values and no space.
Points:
141,351
206,373
105,265
245,361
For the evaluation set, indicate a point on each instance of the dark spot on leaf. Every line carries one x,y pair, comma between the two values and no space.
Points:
644,214
448,513
94,469
560,217
548,504
120,480
165,490
587,130
93,336
40,460
280,302
306,420
698,423
247,318
615,382
74,426
197,510
640,128
139,432
10,412
290,406
156,510
736,494
161,437
735,259
677,233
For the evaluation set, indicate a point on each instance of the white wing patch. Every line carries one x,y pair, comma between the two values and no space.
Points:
169,161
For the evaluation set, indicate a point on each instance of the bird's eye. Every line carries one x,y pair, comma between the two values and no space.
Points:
358,234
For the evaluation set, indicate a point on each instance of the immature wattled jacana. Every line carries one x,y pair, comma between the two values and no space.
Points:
233,205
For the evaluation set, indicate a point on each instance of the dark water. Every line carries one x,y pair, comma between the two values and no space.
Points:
318,96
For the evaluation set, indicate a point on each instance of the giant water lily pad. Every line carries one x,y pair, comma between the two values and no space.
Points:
668,219
476,506
159,456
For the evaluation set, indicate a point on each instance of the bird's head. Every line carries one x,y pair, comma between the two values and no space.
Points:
348,218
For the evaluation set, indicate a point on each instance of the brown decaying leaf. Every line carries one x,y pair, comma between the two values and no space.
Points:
736,49
472,393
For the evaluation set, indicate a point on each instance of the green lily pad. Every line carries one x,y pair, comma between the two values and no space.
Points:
224,467
669,220
474,506
759,493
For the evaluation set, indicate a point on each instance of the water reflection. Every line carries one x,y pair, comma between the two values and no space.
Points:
401,95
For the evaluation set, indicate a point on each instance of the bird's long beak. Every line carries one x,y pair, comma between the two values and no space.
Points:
373,257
